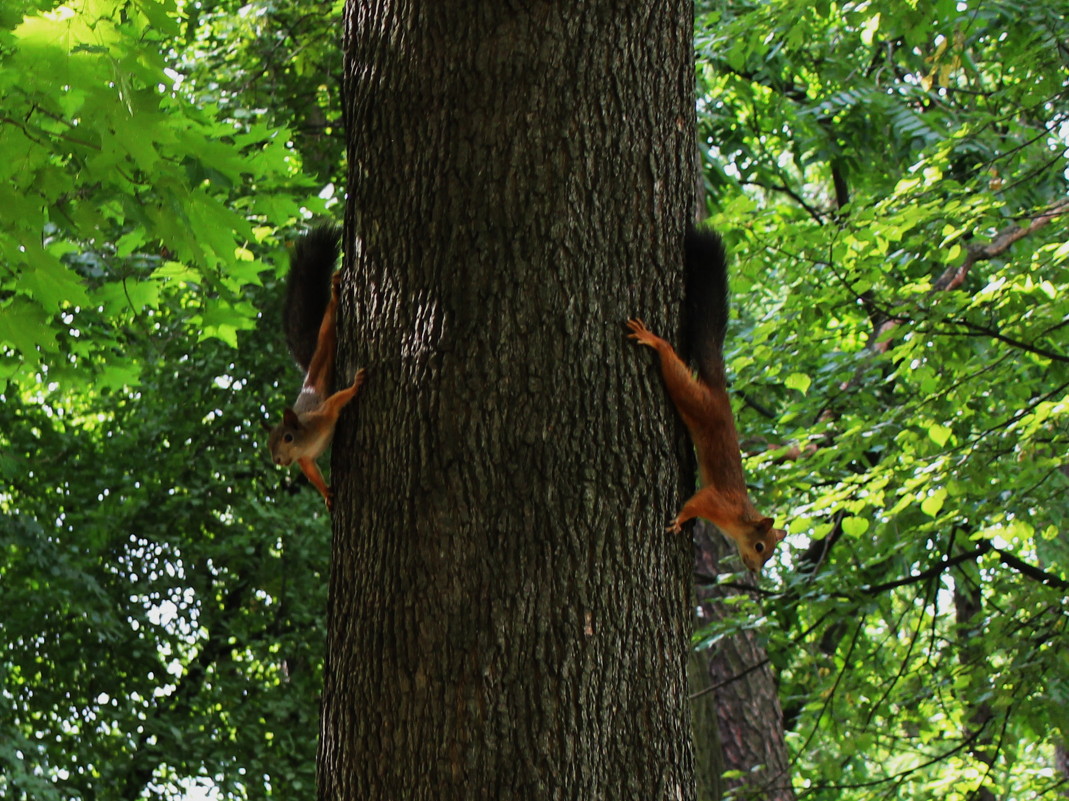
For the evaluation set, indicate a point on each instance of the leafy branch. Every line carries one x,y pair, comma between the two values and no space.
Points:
953,277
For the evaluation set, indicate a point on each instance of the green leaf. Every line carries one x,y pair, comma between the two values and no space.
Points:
939,434
23,326
855,526
934,502
798,381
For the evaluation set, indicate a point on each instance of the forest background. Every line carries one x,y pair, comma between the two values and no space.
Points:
892,184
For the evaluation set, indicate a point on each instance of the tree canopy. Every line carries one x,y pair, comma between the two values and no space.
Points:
892,182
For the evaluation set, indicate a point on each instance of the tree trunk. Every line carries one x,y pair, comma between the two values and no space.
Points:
708,755
968,606
508,617
748,720
1061,765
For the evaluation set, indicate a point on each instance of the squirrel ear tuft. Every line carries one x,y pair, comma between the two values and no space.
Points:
289,417
763,525
266,426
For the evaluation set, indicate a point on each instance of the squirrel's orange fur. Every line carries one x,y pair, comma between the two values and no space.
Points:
307,428
703,404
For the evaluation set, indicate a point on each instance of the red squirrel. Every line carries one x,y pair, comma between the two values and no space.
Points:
704,405
310,323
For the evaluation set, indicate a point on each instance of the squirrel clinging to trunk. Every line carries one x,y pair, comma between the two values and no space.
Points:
704,405
310,324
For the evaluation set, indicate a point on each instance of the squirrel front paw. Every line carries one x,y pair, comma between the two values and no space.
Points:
640,333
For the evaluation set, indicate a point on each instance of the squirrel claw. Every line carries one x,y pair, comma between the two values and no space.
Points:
639,332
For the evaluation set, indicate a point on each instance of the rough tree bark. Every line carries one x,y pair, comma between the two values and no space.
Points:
508,618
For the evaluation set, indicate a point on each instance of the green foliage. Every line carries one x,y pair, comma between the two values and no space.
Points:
893,180
115,186
164,594
169,592
273,61
882,173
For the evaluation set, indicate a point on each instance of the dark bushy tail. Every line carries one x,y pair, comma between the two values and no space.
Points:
705,311
308,289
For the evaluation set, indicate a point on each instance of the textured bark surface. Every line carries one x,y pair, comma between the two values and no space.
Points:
749,720
708,756
508,618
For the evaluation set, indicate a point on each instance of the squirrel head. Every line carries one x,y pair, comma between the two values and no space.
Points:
738,520
757,540
285,439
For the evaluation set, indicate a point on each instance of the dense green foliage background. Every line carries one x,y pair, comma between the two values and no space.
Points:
893,179
163,584
892,182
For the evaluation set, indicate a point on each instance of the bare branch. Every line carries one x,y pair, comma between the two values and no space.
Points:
953,277
924,575
1008,559
1031,571
714,687
980,330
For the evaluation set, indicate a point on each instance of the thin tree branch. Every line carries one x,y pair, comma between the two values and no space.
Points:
984,546
932,571
834,687
898,776
725,682
1031,571
817,215
954,277
980,330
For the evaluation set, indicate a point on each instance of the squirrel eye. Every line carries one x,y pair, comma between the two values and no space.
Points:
287,438
759,547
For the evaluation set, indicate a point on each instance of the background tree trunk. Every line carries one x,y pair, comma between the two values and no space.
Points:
980,728
737,681
708,756
508,618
